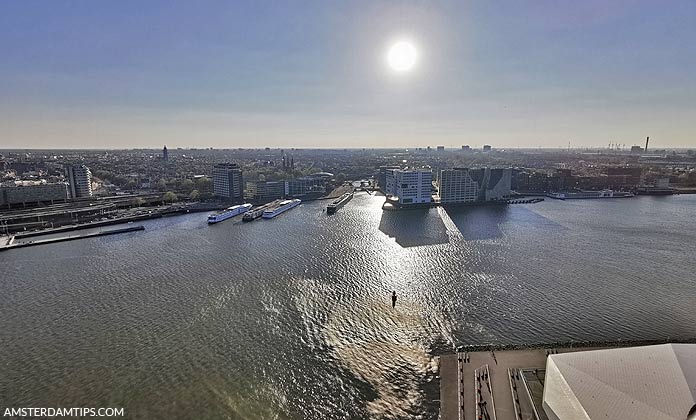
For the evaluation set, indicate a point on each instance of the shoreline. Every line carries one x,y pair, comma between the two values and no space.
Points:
572,344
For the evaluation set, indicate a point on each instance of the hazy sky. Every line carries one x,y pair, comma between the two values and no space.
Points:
114,74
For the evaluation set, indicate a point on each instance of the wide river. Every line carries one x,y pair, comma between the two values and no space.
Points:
291,318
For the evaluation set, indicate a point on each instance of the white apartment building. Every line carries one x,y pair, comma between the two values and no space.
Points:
410,186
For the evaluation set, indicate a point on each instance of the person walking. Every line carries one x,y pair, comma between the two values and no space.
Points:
393,299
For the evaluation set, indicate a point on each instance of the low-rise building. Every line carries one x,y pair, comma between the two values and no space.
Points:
305,185
263,191
33,194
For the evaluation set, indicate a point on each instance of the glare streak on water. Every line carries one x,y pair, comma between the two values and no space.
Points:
291,318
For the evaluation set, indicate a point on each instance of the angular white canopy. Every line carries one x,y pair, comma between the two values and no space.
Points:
636,383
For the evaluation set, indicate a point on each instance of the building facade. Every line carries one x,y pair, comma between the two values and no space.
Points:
305,185
457,186
80,181
228,181
382,176
263,191
410,186
463,185
30,194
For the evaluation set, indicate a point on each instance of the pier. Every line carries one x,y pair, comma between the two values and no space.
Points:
526,200
11,244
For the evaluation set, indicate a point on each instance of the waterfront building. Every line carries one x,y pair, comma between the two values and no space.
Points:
538,182
620,177
382,176
80,181
638,383
33,193
457,186
228,181
263,191
305,185
410,186
463,185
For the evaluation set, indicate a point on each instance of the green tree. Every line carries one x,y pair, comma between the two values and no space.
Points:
187,185
203,184
195,195
169,196
161,185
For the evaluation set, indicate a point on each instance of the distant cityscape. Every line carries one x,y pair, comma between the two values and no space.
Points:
47,189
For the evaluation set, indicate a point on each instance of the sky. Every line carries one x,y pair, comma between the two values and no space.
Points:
223,74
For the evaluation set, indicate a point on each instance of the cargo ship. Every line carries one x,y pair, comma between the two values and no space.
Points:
282,207
590,194
338,203
228,212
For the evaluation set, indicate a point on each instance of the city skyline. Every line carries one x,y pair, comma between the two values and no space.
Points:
251,75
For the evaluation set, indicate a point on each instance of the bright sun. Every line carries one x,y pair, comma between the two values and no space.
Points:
402,56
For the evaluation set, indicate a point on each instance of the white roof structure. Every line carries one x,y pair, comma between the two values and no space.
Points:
636,383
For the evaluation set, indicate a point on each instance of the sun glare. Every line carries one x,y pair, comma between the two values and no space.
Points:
402,56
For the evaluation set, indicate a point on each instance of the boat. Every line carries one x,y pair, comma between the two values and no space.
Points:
590,194
283,206
228,212
338,203
651,190
252,215
257,212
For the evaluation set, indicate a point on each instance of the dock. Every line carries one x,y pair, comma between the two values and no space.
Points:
339,191
11,244
526,200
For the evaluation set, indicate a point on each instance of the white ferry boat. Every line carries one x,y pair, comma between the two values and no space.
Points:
590,194
228,212
282,207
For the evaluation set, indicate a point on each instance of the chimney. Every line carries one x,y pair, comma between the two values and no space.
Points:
646,144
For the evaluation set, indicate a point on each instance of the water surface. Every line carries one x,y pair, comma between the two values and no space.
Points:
291,318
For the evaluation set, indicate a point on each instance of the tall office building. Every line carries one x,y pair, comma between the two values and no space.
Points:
228,181
165,154
457,186
410,186
463,185
80,181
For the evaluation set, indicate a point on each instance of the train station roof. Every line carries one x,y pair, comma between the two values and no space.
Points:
649,382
